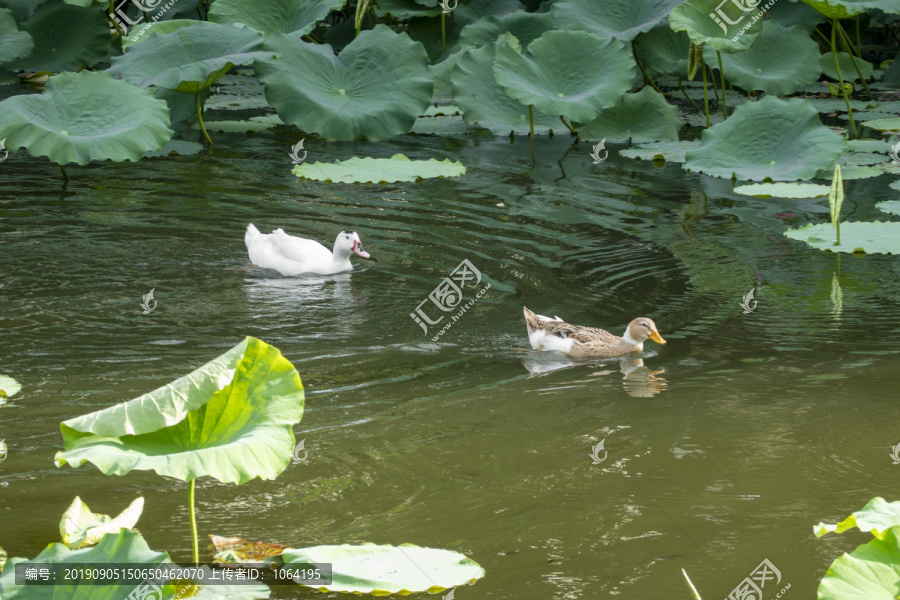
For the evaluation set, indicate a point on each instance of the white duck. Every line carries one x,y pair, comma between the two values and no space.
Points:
290,255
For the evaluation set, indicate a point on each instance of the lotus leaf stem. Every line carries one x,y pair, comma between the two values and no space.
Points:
563,119
688,98
112,10
722,76
531,121
640,65
837,66
705,96
848,45
195,544
715,88
200,119
64,174
443,34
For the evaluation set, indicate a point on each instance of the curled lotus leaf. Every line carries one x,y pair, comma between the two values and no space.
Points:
619,19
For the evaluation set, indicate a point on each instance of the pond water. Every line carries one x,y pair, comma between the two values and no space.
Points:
723,449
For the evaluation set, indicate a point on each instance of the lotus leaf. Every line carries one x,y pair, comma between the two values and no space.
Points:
65,37
383,570
778,139
558,73
79,527
445,125
486,104
892,124
641,117
375,88
239,551
379,170
525,26
869,145
274,16
780,60
427,31
872,238
895,185
846,64
620,19
404,9
872,571
893,207
14,44
143,31
796,13
85,116
716,23
876,518
8,386
668,151
189,59
476,10
783,190
230,419
664,51
841,9
831,10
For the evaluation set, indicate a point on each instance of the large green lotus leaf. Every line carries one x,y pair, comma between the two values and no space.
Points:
79,527
778,139
796,13
427,31
876,517
189,59
476,10
485,103
872,238
126,546
525,26
694,17
375,88
641,117
845,61
383,570
841,9
664,51
778,61
8,387
379,170
65,37
85,116
140,34
783,190
274,16
230,419
620,19
14,44
871,572
831,10
558,73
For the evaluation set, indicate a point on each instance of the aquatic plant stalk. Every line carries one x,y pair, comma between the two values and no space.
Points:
722,77
837,66
845,39
443,34
194,542
64,174
531,121
200,119
693,589
688,98
112,9
705,96
640,65
563,119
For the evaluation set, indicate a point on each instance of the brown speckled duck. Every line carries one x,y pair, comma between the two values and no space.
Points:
545,333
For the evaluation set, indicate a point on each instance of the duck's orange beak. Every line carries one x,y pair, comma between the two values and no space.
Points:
656,337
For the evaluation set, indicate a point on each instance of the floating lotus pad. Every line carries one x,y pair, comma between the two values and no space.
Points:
856,236
189,59
892,124
641,117
668,151
274,16
778,139
384,570
783,190
619,19
86,116
694,17
780,60
230,419
889,206
558,73
485,103
379,170
375,88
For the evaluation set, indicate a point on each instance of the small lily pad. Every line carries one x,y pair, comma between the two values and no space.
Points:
379,170
783,190
668,151
857,236
889,206
892,124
